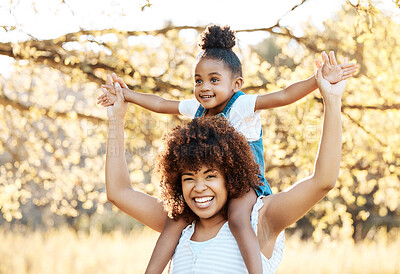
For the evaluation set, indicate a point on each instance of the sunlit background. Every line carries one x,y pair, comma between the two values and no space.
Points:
55,54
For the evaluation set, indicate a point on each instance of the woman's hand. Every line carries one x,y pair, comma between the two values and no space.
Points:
144,208
334,72
118,110
285,208
109,96
329,91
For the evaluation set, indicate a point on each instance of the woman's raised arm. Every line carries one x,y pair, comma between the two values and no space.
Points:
285,208
144,208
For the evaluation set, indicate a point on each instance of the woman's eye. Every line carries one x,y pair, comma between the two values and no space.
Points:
187,179
211,176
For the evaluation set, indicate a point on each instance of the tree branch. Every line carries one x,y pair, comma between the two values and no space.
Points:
366,107
365,130
4,100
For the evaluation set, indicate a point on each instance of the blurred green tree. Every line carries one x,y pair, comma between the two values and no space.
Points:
52,137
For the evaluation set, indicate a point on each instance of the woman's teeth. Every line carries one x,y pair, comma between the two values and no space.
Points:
203,200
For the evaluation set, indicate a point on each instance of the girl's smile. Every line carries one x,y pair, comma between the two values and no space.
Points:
214,85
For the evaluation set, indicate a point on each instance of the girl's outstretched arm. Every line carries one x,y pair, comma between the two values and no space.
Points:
284,208
148,101
332,72
286,96
145,208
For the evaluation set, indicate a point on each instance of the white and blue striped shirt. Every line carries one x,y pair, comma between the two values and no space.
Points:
222,254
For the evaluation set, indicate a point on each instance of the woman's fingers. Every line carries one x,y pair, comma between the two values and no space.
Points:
100,99
325,58
109,81
120,96
345,77
106,103
317,63
105,100
349,72
109,88
319,72
348,65
332,58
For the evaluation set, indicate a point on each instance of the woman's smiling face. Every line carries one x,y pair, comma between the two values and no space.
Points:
205,191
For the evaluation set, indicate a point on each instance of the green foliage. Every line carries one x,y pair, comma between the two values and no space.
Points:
52,137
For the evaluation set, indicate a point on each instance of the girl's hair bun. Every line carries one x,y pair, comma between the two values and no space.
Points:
216,36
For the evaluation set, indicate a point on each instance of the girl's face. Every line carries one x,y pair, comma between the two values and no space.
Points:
205,192
214,85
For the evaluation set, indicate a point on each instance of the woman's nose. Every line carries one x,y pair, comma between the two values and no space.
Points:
200,186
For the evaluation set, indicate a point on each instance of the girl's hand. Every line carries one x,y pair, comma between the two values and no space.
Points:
109,97
334,72
114,79
329,91
118,110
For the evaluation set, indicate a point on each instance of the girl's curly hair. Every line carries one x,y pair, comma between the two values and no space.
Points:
209,141
217,43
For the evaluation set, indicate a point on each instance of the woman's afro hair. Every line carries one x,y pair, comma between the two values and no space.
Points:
209,141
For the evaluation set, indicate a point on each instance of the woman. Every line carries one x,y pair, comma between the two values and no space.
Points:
198,183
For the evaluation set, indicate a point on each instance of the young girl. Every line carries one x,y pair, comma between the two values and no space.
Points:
218,80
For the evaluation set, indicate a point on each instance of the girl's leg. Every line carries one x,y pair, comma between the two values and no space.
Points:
165,245
239,211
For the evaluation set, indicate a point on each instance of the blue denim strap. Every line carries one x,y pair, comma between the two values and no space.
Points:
231,102
200,111
258,152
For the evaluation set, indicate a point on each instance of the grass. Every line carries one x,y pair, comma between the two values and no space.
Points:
340,257
64,251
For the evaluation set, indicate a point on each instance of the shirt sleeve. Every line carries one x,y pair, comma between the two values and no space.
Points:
188,107
246,104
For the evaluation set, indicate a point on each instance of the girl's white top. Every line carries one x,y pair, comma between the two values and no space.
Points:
221,254
241,116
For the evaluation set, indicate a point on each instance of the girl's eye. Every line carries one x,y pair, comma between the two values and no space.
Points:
211,176
213,80
187,179
198,81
